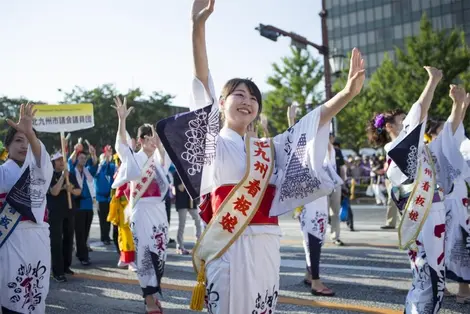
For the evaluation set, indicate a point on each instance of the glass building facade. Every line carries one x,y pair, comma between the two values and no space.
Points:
377,26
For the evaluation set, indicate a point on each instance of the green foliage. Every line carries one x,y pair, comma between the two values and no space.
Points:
294,79
399,84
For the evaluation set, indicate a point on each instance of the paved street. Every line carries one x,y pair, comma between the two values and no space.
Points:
369,275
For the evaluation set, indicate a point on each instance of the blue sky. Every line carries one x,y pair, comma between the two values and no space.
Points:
53,44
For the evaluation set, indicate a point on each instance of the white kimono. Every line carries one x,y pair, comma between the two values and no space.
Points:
458,222
25,257
428,263
148,219
246,278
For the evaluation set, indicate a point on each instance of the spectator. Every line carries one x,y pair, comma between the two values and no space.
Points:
103,181
61,218
84,170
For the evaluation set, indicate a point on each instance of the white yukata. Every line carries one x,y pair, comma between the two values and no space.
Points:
428,262
314,220
148,219
458,222
245,279
25,257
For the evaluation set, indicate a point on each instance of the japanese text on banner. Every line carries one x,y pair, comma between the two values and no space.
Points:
63,118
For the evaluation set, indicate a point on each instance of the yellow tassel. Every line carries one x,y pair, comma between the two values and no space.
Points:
199,292
353,189
427,138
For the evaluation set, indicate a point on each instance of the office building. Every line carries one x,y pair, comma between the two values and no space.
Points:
377,26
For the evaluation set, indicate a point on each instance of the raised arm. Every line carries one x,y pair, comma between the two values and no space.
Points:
201,10
426,96
354,85
466,103
25,126
457,94
122,112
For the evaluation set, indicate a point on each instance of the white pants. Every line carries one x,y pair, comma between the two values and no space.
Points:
246,278
149,226
428,265
25,261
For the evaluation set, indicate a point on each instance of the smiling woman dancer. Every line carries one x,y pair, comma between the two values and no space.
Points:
422,175
247,181
145,172
25,255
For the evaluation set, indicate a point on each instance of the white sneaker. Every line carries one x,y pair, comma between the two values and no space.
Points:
121,264
132,267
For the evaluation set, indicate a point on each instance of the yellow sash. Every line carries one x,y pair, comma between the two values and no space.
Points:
235,213
419,202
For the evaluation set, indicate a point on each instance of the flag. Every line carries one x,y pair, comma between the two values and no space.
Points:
190,140
405,155
19,196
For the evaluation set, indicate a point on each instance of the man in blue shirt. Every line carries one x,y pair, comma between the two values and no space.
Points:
103,181
84,170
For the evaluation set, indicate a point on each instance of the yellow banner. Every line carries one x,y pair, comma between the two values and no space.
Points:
63,118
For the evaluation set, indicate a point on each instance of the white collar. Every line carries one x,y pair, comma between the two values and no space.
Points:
11,163
231,135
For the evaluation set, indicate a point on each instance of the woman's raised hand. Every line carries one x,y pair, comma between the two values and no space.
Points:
201,11
121,108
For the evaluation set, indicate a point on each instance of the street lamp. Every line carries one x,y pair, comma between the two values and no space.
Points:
336,62
333,62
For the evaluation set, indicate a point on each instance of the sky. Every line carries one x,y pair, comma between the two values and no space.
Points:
55,44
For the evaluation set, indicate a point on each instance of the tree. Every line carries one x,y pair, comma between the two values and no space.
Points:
295,79
398,84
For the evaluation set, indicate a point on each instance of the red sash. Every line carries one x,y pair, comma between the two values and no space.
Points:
210,206
152,190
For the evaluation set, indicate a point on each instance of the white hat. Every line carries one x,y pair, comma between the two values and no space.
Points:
56,156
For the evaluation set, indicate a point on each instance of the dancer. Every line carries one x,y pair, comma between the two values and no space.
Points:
392,123
422,174
25,255
457,219
246,182
313,218
122,235
146,173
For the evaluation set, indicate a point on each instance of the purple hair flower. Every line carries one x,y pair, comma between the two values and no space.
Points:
379,121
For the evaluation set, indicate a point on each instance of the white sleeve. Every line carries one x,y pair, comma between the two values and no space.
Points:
129,169
199,96
44,168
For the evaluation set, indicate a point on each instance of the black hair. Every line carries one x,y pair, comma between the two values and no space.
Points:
377,135
144,130
232,85
432,125
11,134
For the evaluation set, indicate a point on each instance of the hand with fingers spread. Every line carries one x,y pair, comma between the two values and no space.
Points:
25,122
121,108
201,11
357,73
457,94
